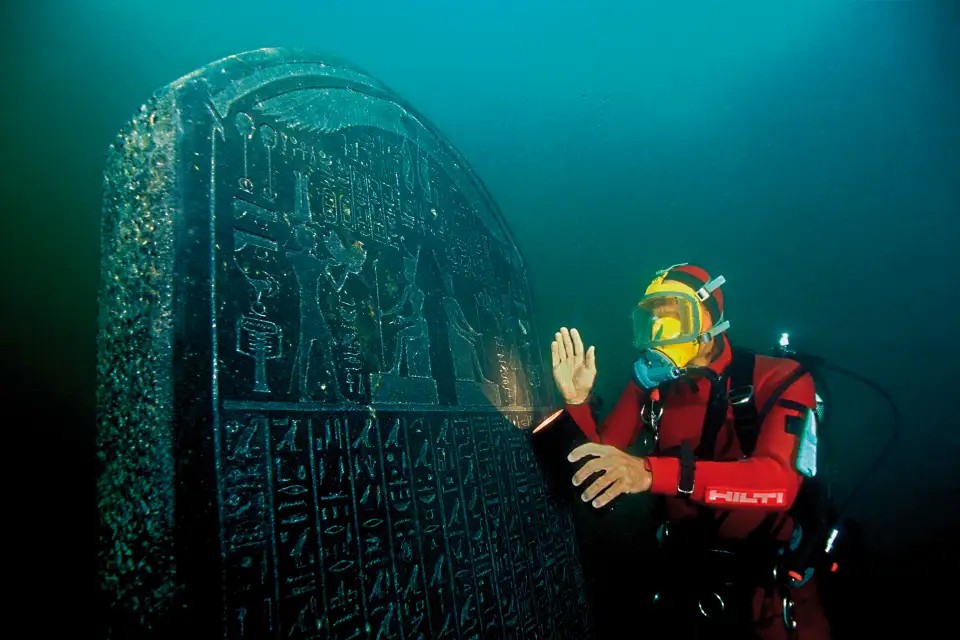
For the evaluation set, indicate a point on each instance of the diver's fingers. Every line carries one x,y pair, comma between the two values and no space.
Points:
567,342
597,486
589,468
590,449
592,358
577,346
555,352
611,493
561,352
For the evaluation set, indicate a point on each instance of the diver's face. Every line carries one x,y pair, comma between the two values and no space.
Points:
667,308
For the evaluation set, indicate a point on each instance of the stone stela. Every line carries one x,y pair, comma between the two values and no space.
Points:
317,374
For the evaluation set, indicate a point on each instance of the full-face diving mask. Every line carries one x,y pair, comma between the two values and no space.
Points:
667,328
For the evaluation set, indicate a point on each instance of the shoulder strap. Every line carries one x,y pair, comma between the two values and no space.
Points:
748,418
742,398
715,416
739,373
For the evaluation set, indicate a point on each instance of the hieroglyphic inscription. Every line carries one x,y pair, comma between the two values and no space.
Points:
411,577
245,513
297,545
494,506
347,608
399,525
372,512
490,618
515,566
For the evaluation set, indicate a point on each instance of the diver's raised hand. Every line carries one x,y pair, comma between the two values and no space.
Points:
574,370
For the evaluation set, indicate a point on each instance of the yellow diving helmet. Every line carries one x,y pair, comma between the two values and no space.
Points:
668,322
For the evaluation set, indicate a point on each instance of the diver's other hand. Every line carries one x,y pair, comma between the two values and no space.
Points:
574,370
622,473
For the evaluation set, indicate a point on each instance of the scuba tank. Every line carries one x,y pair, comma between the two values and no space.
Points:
822,521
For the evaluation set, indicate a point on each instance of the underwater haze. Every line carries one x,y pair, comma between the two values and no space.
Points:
808,151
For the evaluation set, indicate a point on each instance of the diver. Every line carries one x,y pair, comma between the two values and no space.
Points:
730,435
